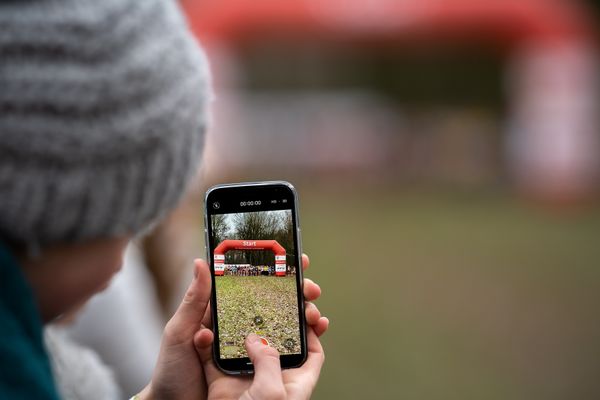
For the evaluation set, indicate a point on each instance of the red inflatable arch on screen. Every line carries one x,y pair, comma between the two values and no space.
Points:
273,245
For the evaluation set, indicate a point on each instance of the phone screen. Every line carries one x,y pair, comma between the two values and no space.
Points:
255,257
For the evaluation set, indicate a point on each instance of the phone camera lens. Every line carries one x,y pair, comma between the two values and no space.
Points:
216,205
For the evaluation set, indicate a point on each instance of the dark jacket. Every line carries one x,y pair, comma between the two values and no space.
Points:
24,366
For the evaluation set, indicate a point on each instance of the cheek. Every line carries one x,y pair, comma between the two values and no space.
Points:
107,277
116,268
90,280
101,277
90,283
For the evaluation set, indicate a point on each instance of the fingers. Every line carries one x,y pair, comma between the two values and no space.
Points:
305,262
203,341
316,356
207,319
312,314
268,381
188,317
315,320
321,326
312,291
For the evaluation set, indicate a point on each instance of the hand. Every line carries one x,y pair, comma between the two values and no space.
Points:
178,373
269,381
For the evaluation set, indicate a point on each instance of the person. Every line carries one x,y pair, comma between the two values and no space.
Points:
103,110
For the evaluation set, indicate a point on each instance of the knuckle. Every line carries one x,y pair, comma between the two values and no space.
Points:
173,333
189,297
170,328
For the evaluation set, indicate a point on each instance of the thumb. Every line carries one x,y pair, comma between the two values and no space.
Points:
267,382
187,319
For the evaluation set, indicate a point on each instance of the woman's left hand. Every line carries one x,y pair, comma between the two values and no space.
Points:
178,373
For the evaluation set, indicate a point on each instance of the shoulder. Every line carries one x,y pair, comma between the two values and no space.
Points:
78,370
24,368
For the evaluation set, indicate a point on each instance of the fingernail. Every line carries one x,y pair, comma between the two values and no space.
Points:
195,271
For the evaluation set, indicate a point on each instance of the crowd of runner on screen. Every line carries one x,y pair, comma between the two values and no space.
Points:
253,270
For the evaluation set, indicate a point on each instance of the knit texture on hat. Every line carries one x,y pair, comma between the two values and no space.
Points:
102,116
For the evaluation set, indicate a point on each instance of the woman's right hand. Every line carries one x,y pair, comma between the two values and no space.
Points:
269,380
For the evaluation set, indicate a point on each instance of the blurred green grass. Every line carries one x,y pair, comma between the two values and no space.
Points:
453,296
242,298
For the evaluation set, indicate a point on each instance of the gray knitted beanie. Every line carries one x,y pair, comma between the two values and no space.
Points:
103,107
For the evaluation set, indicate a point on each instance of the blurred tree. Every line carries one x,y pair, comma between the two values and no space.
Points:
275,225
257,226
219,228
285,237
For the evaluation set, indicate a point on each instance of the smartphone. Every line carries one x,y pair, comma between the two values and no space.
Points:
254,247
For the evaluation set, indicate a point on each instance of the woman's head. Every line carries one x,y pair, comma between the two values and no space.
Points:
102,117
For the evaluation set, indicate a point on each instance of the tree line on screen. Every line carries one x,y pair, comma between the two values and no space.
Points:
262,225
